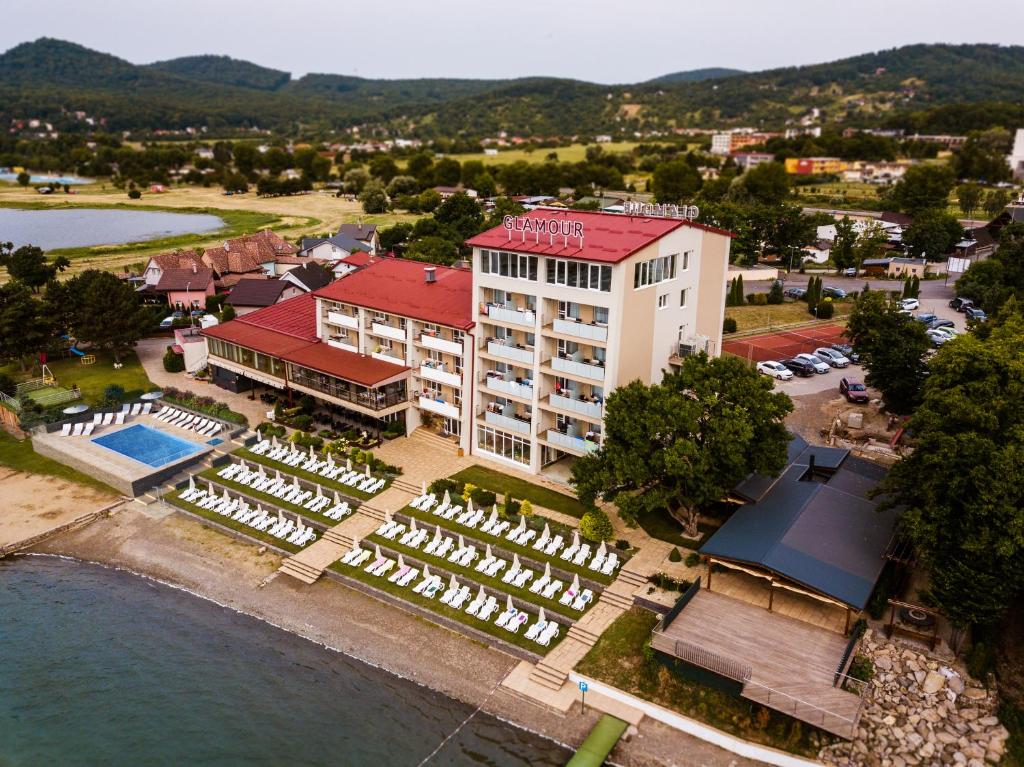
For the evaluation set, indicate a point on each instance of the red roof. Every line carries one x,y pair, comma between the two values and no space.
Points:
398,286
184,279
607,237
288,331
359,258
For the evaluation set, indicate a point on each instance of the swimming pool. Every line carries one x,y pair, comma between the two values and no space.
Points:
146,445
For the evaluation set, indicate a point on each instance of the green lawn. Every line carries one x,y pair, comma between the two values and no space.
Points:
520,489
93,379
750,318
664,528
571,153
20,456
622,657
211,474
172,498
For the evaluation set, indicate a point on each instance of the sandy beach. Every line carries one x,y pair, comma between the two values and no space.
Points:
161,544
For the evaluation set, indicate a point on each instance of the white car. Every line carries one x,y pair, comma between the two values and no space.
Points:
946,331
831,357
937,338
816,363
775,370
910,304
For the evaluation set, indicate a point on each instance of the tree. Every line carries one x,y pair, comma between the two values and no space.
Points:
675,446
246,157
433,249
775,294
996,201
355,180
462,214
236,182
383,168
429,200
373,197
503,206
596,527
24,179
968,197
394,236
932,235
447,172
675,181
870,244
28,265
767,183
843,247
961,485
227,313
106,311
983,156
485,185
923,187
134,194
891,347
23,327
991,282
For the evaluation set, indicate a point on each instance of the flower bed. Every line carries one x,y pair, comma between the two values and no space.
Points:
205,405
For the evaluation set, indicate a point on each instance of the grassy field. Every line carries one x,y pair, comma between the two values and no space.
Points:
773,315
18,455
664,528
93,379
622,657
521,490
572,153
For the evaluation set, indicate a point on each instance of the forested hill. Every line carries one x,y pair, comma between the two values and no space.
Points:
48,78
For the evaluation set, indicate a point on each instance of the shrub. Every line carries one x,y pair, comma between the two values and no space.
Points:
512,506
775,295
173,363
394,429
302,422
227,313
268,429
760,299
439,486
729,325
113,394
215,302
751,297
675,556
595,526
825,310
622,544
526,509
979,661
134,194
692,559
862,668
467,491
483,499
306,404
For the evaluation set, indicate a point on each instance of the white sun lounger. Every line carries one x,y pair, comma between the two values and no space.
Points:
126,409
65,430
551,589
119,419
88,429
97,418
137,408
147,408
108,419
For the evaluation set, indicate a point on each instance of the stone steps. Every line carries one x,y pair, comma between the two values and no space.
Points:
548,676
582,634
335,536
436,441
372,512
616,600
408,487
632,578
300,571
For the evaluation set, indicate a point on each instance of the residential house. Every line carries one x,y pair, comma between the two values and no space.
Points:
895,267
251,254
818,253
448,191
748,160
185,289
332,248
249,295
350,264
364,233
309,276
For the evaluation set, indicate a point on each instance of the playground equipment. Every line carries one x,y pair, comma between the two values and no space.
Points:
73,345
45,391
88,359
49,379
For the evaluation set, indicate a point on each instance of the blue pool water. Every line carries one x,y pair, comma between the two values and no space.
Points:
146,445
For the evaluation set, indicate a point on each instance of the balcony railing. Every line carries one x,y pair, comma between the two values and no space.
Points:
388,331
439,344
339,343
523,317
440,374
576,405
394,359
589,331
508,423
567,441
572,367
439,406
343,320
516,389
374,399
517,353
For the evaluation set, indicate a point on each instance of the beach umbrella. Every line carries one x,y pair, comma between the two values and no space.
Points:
522,525
337,498
245,466
547,571
273,440
280,516
493,519
489,554
446,501
401,561
423,489
319,492
426,572
575,539
469,507
412,525
367,470
547,532
575,587
462,543
387,517
453,584
515,562
540,616
277,475
259,510
376,550
210,489
191,481
348,464
602,549
311,454
508,604
480,595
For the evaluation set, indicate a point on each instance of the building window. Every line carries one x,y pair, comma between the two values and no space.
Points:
663,300
514,265
457,336
507,446
579,274
654,271
686,261
683,297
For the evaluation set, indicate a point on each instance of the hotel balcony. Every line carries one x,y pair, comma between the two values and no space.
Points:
439,406
521,354
339,343
387,331
522,317
583,369
388,357
439,344
519,425
578,445
343,320
585,330
362,397
593,410
499,385
431,371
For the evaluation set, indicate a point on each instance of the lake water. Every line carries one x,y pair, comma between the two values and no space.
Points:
99,666
79,227
42,178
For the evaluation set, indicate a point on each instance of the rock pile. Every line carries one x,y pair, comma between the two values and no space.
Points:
918,711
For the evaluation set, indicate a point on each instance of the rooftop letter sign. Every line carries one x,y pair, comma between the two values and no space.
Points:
550,226
647,209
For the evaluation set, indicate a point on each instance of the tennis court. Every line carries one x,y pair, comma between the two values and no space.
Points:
784,344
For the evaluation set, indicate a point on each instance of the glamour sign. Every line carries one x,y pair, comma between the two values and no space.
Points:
551,226
633,208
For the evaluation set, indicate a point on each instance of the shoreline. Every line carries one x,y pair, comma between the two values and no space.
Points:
163,546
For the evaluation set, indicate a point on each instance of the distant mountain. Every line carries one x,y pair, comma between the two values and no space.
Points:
48,78
225,71
697,75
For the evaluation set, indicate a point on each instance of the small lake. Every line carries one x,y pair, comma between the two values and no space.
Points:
80,227
44,178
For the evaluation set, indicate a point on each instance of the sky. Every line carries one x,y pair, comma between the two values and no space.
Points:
596,40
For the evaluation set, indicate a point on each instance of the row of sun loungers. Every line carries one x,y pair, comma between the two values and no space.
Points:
457,596
238,509
578,553
204,427
86,428
287,491
326,467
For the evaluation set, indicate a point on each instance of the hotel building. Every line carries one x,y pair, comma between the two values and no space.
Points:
513,358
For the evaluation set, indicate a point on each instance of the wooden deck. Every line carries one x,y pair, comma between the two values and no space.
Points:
783,663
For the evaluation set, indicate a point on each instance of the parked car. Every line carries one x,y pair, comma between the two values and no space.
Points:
775,370
950,333
978,315
849,271
831,357
854,390
960,303
911,304
197,313
926,317
833,292
168,321
847,351
815,362
938,322
799,367
797,293
937,338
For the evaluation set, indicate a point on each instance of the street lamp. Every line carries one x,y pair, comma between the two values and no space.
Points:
188,305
